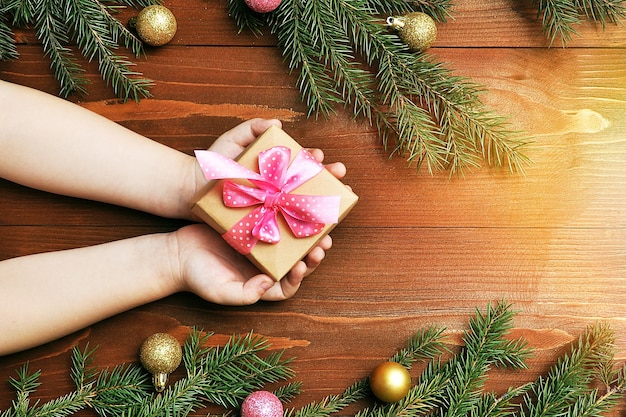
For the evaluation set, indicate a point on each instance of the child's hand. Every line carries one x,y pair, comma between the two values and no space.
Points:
206,265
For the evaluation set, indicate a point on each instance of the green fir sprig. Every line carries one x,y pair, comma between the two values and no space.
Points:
90,26
584,383
559,18
346,55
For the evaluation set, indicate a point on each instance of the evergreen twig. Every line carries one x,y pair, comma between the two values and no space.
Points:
225,375
8,50
559,17
91,26
484,346
566,391
344,54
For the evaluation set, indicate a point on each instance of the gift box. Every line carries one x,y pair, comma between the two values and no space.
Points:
274,203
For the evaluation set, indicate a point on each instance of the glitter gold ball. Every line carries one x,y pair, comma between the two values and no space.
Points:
417,30
156,25
160,354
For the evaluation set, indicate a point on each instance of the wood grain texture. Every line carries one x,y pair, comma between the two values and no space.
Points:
417,249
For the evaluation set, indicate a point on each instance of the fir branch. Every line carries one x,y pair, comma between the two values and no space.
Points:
91,26
94,38
288,391
608,11
353,84
422,399
332,404
119,32
22,11
558,18
231,372
194,350
244,19
8,50
114,390
293,25
426,344
26,383
53,32
422,112
592,405
506,405
568,381
180,398
82,371
484,345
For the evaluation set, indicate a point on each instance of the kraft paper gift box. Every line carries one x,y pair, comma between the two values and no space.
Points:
235,214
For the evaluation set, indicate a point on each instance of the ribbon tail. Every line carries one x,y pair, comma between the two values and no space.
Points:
308,215
240,235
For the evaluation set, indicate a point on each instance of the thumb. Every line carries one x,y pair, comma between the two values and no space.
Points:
255,288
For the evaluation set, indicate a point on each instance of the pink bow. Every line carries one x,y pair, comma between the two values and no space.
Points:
306,215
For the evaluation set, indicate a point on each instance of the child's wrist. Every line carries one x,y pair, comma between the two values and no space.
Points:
173,275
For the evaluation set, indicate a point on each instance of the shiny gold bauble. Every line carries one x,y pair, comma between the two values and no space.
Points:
417,30
160,354
155,25
390,382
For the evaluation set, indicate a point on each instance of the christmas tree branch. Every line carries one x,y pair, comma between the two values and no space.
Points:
344,55
8,51
558,17
53,33
484,345
91,26
225,375
96,40
564,391
423,345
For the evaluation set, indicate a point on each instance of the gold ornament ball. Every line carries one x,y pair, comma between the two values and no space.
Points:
417,30
390,382
160,354
156,25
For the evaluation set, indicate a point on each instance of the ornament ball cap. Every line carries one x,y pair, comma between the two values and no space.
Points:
395,22
160,381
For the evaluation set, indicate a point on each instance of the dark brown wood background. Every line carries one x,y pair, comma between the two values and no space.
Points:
417,249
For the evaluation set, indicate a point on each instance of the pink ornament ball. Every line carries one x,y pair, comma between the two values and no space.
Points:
263,6
261,404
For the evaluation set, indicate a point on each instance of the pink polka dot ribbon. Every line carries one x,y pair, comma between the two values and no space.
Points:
305,215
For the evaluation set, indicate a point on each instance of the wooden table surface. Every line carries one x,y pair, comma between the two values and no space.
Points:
417,249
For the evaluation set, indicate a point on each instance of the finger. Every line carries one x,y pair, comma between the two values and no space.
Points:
249,292
234,141
313,259
326,243
259,126
290,284
318,154
338,169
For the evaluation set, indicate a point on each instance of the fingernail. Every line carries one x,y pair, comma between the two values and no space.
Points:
266,285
